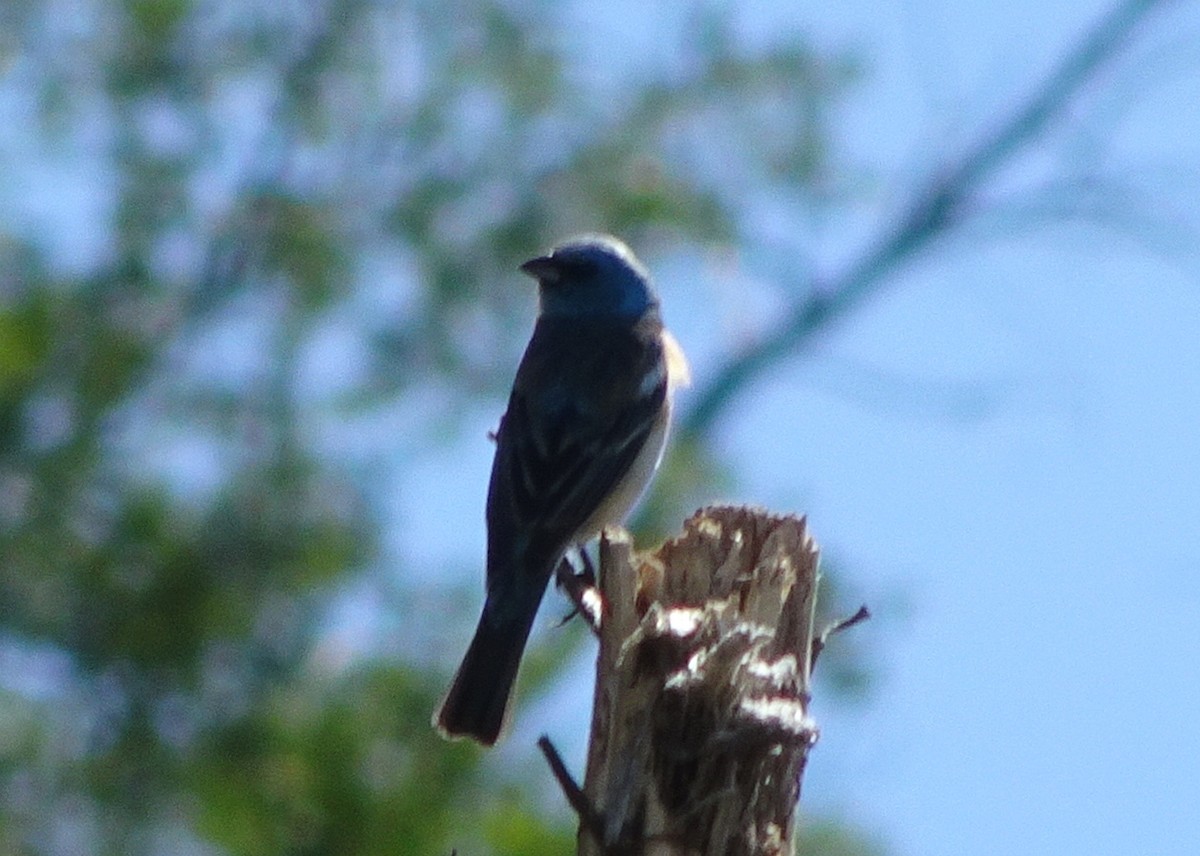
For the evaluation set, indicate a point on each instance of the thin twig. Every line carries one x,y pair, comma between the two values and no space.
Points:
589,818
818,643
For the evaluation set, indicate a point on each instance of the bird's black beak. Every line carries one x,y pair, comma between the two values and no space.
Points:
543,269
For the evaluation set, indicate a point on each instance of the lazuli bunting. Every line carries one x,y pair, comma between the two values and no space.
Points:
583,434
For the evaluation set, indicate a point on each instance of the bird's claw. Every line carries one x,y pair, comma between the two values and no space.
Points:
580,588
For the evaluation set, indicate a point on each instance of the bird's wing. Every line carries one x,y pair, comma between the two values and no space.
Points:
581,410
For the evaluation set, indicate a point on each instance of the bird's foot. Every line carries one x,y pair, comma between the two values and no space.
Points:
580,588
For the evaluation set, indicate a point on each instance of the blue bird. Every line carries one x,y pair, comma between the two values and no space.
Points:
583,433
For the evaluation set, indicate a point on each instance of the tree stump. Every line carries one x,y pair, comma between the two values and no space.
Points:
700,726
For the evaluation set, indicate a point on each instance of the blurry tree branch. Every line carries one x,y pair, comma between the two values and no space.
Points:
942,206
256,209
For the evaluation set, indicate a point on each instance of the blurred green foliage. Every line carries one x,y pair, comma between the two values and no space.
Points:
226,182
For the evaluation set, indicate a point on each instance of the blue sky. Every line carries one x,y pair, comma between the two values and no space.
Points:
1005,441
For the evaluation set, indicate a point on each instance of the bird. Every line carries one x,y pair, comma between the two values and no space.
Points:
584,431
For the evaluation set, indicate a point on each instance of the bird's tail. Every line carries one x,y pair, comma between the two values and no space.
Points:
477,702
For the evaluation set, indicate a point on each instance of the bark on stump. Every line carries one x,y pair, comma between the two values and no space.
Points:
700,727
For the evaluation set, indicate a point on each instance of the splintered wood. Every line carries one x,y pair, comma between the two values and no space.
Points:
700,726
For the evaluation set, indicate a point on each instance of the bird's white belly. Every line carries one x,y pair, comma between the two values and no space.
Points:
629,489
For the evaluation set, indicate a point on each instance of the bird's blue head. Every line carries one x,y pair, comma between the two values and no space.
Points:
592,275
